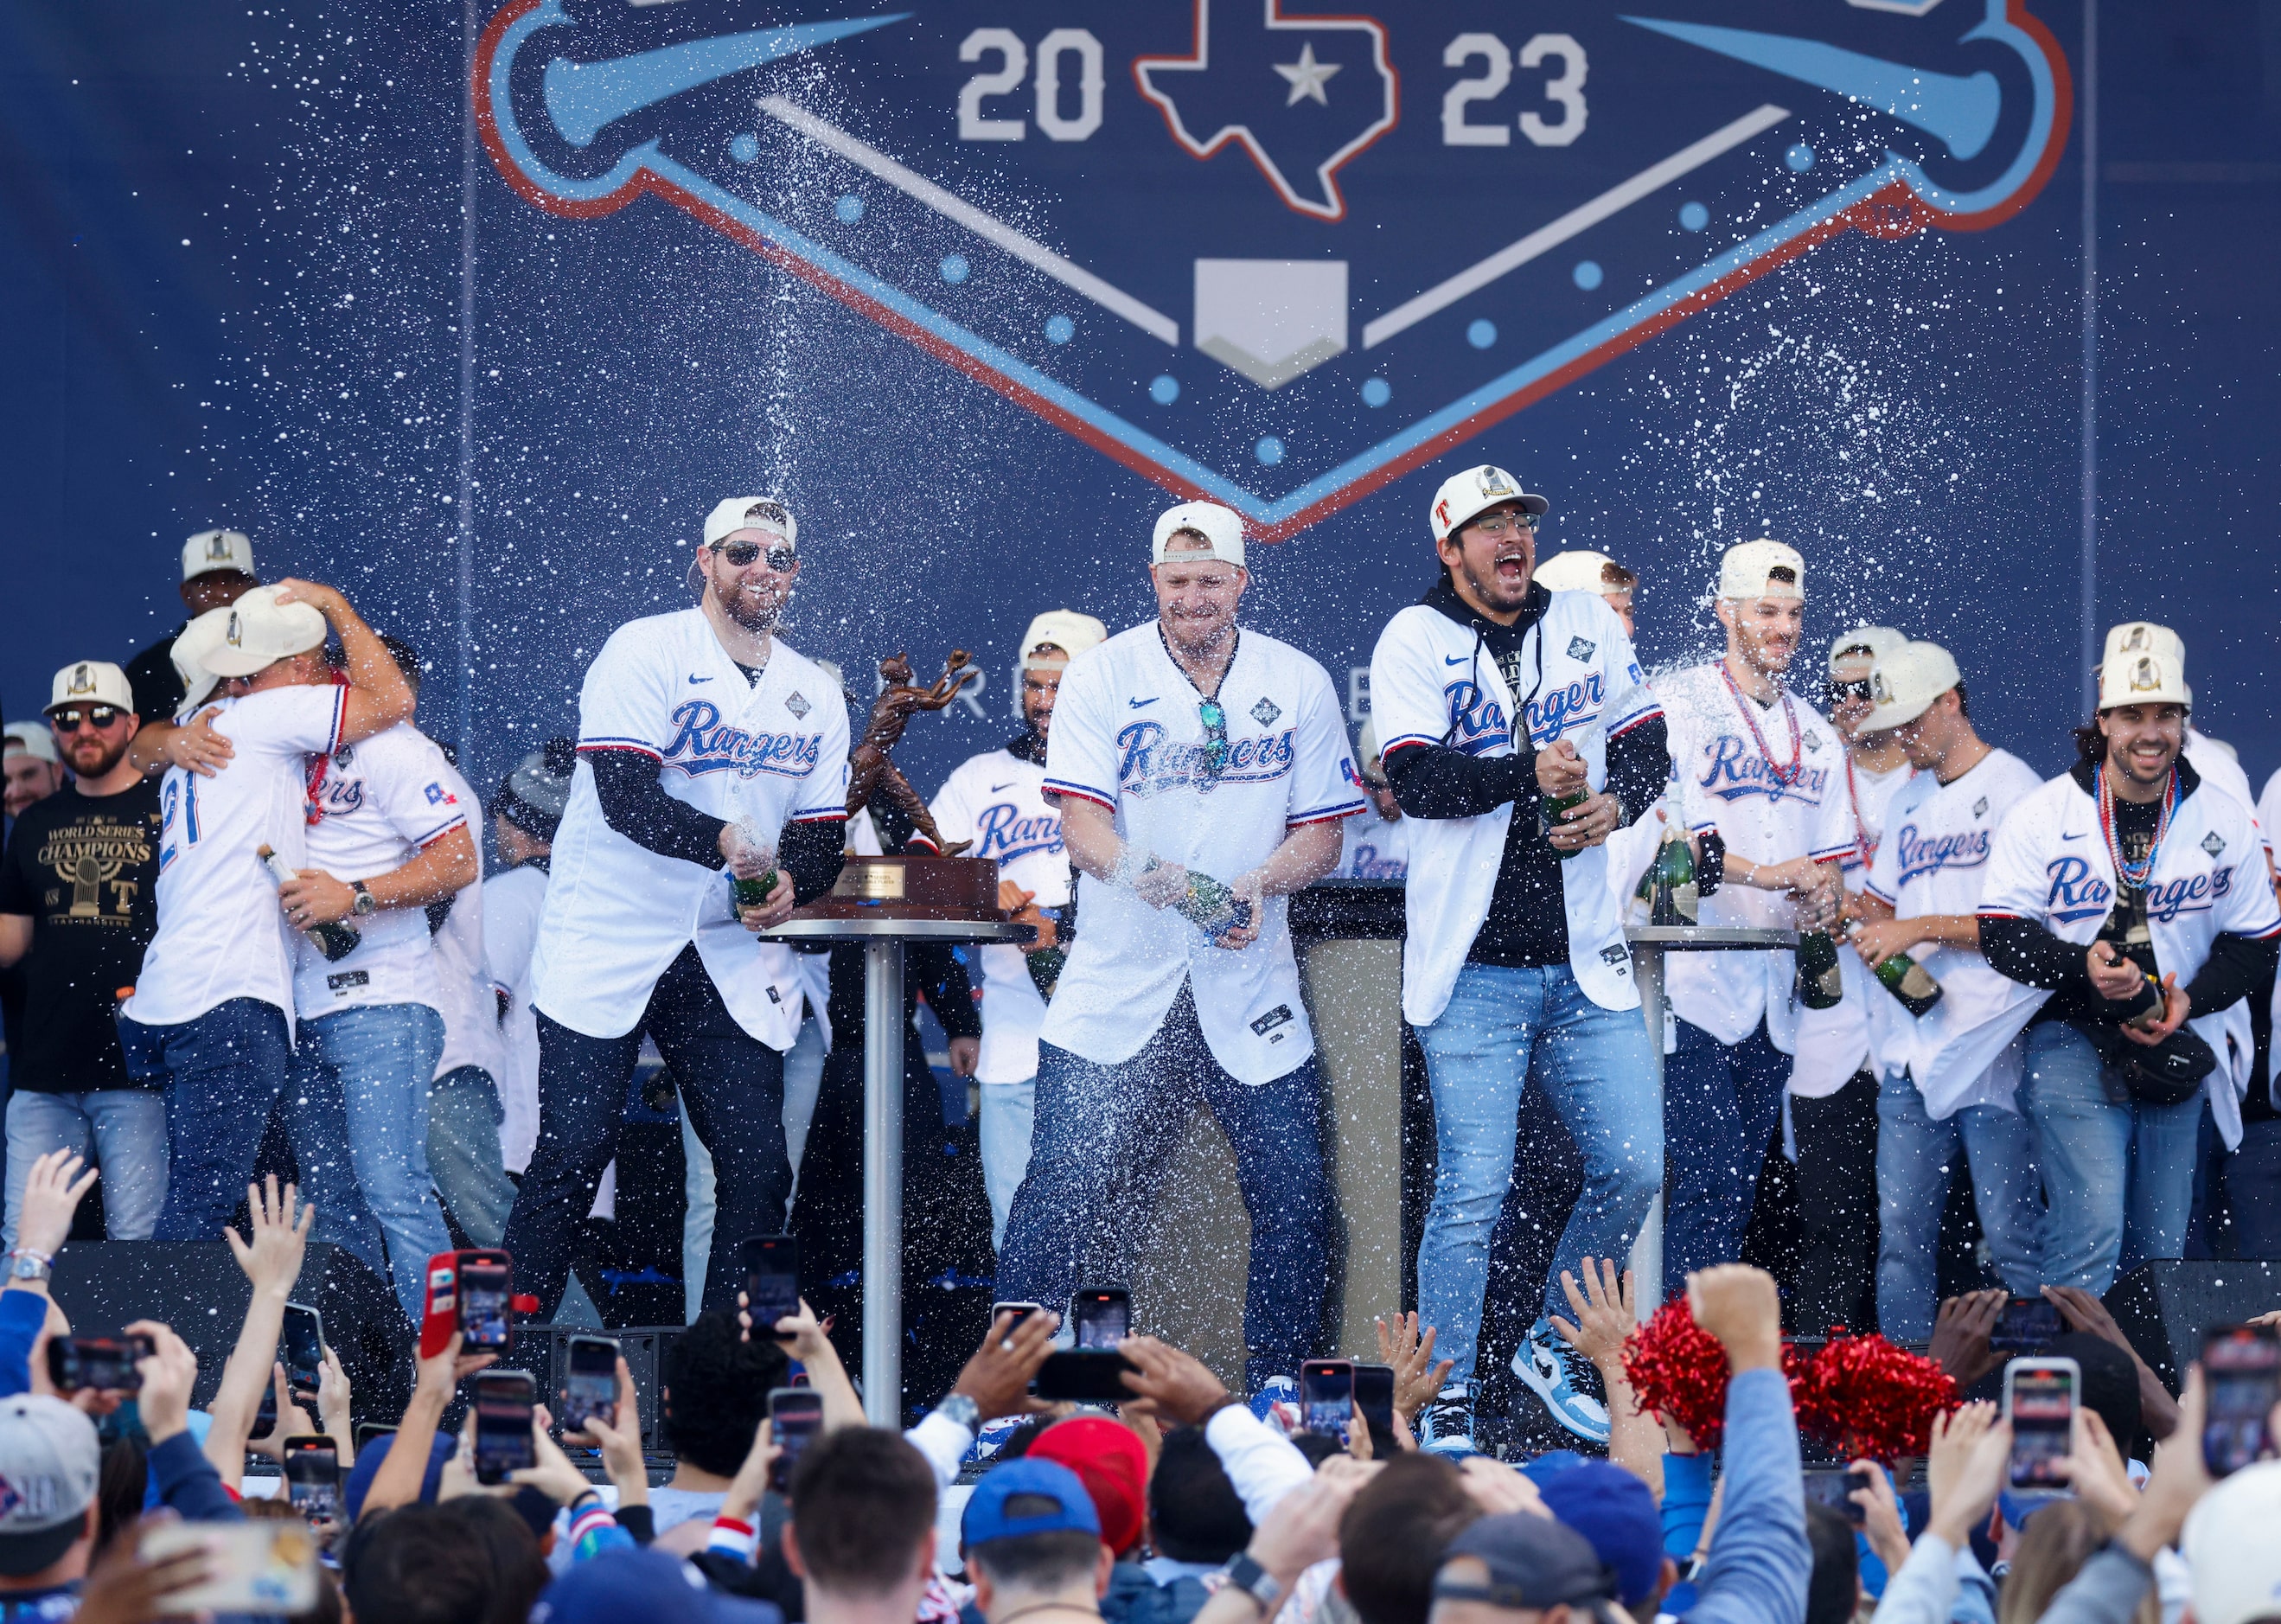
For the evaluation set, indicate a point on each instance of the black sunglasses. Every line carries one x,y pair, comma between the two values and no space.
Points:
1216,747
96,717
741,554
1841,691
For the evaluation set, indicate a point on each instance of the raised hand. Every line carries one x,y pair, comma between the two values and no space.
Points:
1417,1379
997,1375
272,1258
52,1192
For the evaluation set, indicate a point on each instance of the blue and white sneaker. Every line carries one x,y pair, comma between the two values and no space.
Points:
1446,1425
1565,1380
1276,1402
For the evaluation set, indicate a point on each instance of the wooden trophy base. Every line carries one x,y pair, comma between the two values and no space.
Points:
952,888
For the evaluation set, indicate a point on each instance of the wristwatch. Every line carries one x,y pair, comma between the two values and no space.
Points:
366,902
962,1409
30,1267
1244,1574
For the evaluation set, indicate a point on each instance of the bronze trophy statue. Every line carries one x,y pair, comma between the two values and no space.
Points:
871,773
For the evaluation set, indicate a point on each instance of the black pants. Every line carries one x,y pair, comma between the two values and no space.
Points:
1837,1208
732,1086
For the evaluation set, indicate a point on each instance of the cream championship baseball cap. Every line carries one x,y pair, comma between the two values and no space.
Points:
33,738
1580,569
1873,642
1216,524
2144,678
1748,570
189,654
2230,1547
1066,629
2133,638
92,682
210,550
256,631
1904,684
1463,495
50,1461
752,513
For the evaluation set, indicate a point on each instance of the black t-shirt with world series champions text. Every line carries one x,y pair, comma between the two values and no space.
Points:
85,868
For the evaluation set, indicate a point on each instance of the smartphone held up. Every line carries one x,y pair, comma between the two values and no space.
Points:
2040,1401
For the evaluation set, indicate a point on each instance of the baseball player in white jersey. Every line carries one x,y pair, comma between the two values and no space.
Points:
997,802
1923,899
1768,774
1580,569
464,1155
708,750
526,812
1514,935
1201,772
2126,890
212,1013
1833,1083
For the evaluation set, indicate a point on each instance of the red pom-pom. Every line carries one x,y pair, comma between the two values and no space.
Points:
1676,1367
1862,1397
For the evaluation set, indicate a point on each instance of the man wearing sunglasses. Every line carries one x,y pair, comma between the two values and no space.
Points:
1515,970
1201,771
708,750
78,905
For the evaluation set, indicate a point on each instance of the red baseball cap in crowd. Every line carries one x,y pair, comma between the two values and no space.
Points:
1109,1460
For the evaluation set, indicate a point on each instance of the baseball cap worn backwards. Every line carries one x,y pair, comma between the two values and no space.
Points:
1027,1497
1464,496
752,513
1219,526
1110,1461
1533,1562
1750,570
33,739
92,682
1580,569
1872,642
50,1460
1904,684
210,552
1064,629
256,632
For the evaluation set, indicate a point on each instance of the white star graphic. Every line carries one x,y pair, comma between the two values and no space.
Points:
1306,76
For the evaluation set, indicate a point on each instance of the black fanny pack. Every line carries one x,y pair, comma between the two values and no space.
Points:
2166,1073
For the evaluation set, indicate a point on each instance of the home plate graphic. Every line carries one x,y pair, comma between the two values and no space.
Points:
1259,254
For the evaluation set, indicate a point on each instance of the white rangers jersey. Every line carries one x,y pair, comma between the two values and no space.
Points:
997,801
373,806
512,904
222,934
1833,1044
471,1028
1934,860
774,752
1372,848
1771,779
1127,735
1431,683
2050,864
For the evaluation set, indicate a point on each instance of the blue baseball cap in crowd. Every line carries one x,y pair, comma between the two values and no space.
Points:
440,1448
1617,1516
648,1585
1027,1497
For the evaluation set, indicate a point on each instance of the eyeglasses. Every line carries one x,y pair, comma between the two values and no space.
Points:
742,554
1856,692
97,717
1500,524
1216,748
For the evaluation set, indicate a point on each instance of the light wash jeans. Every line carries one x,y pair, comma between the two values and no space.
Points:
127,1128
2118,1173
464,1114
1915,1157
368,1070
1009,1111
1504,1027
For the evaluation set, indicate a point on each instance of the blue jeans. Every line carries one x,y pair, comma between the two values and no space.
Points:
1504,1027
1914,1158
1009,1116
222,1072
463,1152
2118,1172
127,1129
1720,1105
1106,1136
367,1069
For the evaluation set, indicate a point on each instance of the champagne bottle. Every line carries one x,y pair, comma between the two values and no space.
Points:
1819,984
1674,900
1211,907
1045,964
753,893
336,940
1554,808
1909,981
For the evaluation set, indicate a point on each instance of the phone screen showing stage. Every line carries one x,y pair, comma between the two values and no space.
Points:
2023,1324
2043,1426
2242,1365
304,1350
795,1418
484,1290
312,1478
1102,1317
592,1386
503,1405
1327,1389
771,1281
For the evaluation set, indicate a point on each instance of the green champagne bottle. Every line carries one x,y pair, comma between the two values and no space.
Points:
336,939
1556,807
1674,900
753,893
1819,984
1908,980
1045,967
1211,907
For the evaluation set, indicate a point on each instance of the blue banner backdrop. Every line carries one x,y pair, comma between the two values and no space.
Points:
476,311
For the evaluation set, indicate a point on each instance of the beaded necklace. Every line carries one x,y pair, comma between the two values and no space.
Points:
1783,776
2133,875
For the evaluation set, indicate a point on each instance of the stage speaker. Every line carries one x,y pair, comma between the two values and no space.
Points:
543,1350
196,1288
2164,1307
